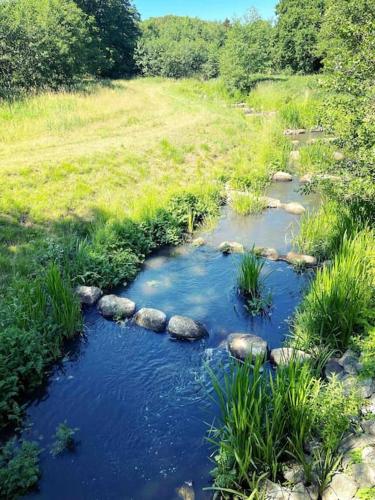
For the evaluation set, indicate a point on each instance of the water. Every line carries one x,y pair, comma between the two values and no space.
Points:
139,398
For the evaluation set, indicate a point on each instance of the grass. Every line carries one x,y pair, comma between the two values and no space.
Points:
316,158
340,302
250,283
245,204
64,439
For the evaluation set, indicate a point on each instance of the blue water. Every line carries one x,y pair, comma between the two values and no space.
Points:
140,399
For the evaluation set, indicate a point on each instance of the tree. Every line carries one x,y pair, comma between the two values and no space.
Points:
176,47
296,35
43,44
248,50
118,30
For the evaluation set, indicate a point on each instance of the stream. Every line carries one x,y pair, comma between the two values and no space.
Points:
141,400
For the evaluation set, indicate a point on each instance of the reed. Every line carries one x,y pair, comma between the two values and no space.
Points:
247,203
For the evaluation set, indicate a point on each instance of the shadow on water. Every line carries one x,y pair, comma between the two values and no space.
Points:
140,399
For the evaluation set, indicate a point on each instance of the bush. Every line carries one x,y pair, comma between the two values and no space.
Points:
19,468
247,51
43,44
178,47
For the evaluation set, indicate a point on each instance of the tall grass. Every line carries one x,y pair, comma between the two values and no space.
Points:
249,203
249,275
321,233
340,301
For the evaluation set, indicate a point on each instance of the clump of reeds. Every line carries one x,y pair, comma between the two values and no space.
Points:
251,284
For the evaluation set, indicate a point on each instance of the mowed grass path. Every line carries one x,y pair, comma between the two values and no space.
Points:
72,152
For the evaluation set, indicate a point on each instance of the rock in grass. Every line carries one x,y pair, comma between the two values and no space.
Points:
333,367
295,155
244,345
284,355
282,177
293,472
228,247
349,361
151,319
306,179
293,208
183,328
301,492
342,487
338,156
111,306
294,131
298,258
88,295
363,475
356,442
275,491
364,387
368,426
198,242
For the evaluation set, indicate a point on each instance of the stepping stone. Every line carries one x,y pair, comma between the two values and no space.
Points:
297,258
295,155
270,202
293,208
294,131
284,355
243,345
151,319
198,242
88,295
269,253
111,306
282,177
319,128
183,328
228,247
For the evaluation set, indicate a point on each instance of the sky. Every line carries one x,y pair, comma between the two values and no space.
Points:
205,9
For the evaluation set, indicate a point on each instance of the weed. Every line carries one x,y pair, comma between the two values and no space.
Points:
64,439
250,283
245,204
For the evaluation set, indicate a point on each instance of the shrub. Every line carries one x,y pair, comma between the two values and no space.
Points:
19,468
64,439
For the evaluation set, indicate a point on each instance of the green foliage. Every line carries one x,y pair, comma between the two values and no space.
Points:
366,494
247,51
321,233
179,47
43,44
116,31
19,468
245,204
340,300
64,439
250,283
296,35
367,347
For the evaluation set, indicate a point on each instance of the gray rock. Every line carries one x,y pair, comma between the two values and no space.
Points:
284,355
368,426
88,295
228,247
301,492
356,442
282,177
183,328
338,156
364,387
333,367
294,131
306,179
293,473
293,208
342,487
243,345
318,128
151,319
269,253
198,242
295,155
363,475
270,202
274,491
368,455
307,260
111,306
369,407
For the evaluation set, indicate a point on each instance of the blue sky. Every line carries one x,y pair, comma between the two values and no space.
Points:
205,9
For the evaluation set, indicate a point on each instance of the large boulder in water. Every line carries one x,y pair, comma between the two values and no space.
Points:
111,306
299,258
88,295
151,319
244,345
293,208
183,328
228,247
282,177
